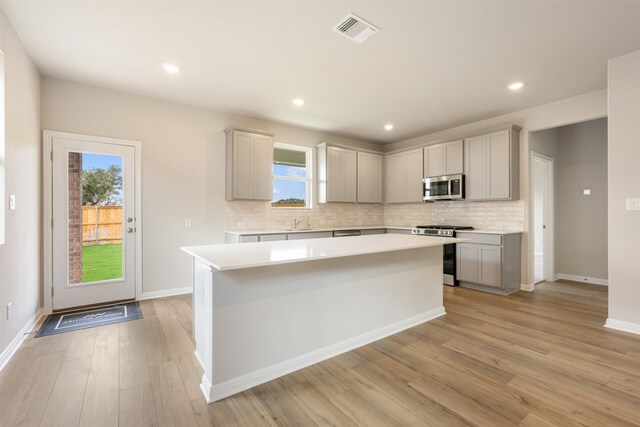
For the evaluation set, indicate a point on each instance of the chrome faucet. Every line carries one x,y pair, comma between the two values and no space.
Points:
296,221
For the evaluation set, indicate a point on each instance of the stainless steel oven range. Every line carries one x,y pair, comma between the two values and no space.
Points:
449,251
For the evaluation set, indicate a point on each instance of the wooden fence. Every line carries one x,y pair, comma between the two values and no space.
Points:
101,225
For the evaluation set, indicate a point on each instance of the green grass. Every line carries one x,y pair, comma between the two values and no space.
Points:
101,262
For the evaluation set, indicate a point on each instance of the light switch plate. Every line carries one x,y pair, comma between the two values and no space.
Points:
586,191
187,223
633,204
12,202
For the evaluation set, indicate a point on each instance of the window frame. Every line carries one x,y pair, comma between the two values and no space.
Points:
308,180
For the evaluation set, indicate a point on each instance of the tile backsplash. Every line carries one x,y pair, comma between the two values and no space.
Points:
480,215
246,215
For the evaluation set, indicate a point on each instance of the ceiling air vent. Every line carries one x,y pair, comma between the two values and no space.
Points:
356,29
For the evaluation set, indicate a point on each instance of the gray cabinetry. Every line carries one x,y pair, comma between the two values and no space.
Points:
492,166
373,231
337,174
403,176
489,262
443,159
369,180
310,235
249,164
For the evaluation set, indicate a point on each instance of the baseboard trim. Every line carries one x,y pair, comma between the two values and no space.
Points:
620,325
166,293
15,344
215,392
527,288
582,279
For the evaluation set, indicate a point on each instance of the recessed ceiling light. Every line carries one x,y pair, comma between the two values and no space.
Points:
515,85
299,102
170,68
388,126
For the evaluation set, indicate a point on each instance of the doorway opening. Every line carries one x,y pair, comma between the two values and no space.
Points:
543,218
568,212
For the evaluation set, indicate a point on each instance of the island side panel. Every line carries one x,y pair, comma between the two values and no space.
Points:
269,321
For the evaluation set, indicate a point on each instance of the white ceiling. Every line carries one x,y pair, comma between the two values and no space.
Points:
434,65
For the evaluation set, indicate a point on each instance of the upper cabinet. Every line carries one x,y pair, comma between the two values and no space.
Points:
492,166
443,159
337,174
369,180
404,174
249,164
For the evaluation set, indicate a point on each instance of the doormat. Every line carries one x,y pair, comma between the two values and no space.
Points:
73,321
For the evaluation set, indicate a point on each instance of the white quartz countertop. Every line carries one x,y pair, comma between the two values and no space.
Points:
500,232
247,255
312,230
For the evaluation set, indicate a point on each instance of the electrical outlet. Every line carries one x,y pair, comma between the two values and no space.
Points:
586,191
12,202
9,310
633,204
187,223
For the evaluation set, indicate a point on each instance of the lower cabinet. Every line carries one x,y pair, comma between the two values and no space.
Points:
480,264
272,237
310,235
489,262
370,231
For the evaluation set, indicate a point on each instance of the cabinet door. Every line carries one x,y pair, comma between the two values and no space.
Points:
452,157
334,188
477,168
364,177
467,262
375,172
499,165
243,165
264,167
348,177
413,176
369,178
490,265
394,178
434,160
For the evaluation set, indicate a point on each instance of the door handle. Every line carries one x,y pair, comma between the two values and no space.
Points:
130,230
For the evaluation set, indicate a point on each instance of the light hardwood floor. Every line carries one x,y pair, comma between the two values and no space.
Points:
531,359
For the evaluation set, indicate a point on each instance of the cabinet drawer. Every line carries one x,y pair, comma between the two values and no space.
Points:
311,235
249,238
372,231
481,238
272,237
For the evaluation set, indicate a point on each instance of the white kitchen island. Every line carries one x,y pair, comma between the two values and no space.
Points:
263,310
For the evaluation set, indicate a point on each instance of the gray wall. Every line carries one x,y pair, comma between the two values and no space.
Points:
624,182
581,221
20,256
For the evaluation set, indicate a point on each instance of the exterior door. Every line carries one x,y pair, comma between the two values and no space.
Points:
93,243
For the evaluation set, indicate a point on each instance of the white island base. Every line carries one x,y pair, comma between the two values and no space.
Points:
255,324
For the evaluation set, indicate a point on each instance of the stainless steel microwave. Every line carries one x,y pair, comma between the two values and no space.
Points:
446,187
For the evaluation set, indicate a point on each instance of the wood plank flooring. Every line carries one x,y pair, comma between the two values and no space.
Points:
531,359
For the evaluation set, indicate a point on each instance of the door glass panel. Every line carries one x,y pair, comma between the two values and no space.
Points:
94,217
